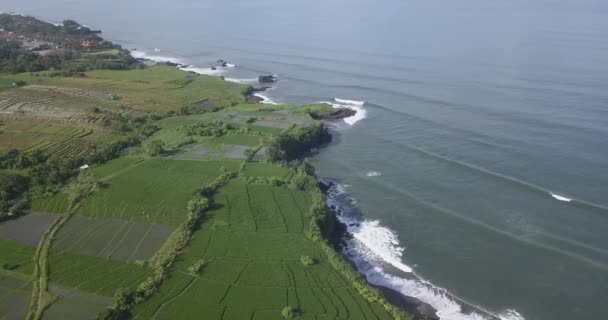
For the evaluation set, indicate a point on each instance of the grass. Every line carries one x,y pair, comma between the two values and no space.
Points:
57,203
260,169
156,190
95,275
154,89
112,52
6,83
253,243
16,259
112,239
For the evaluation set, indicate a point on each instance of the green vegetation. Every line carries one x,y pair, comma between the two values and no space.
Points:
155,148
156,190
16,259
296,143
290,313
160,193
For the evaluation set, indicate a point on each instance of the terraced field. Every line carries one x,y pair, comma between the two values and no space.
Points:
54,102
53,138
156,89
253,244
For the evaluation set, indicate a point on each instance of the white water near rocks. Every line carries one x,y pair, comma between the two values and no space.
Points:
373,247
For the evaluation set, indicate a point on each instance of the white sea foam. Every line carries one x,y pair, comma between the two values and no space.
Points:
156,58
511,315
265,98
207,71
373,174
230,65
241,80
374,247
156,50
560,198
349,102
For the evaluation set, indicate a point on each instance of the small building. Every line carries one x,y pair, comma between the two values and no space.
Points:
87,44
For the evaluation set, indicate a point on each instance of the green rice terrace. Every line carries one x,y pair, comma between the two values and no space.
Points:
154,193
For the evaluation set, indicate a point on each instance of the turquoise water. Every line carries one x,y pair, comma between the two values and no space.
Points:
482,119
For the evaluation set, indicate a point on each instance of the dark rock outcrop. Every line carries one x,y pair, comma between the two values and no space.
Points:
337,114
251,98
268,78
254,99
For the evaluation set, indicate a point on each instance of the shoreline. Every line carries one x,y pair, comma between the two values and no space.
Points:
348,111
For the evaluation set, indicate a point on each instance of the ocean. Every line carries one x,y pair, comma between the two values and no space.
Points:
475,174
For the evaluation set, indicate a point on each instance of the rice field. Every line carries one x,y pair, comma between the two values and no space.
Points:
75,304
27,229
14,298
155,191
111,239
94,275
53,138
54,102
16,259
253,244
154,89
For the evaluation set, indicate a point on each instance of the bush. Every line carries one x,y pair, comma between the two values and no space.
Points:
308,261
290,313
197,267
154,148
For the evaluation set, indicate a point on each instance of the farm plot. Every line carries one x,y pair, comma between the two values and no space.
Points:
155,191
253,265
75,304
261,169
14,298
210,151
27,229
16,259
52,101
157,88
110,238
53,138
92,274
58,203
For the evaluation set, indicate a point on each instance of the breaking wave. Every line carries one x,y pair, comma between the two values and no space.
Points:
265,98
560,198
241,80
350,104
153,57
377,253
373,174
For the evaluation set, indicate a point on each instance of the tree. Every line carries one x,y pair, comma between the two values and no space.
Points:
13,197
290,312
155,147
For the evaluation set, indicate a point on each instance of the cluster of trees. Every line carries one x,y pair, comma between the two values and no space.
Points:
13,194
70,58
15,59
216,128
295,144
